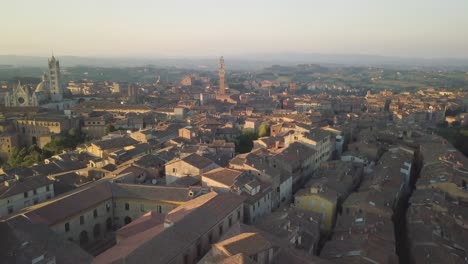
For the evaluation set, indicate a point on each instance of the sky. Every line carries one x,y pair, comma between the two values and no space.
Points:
152,28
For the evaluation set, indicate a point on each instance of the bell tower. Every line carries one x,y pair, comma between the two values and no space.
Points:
221,76
56,92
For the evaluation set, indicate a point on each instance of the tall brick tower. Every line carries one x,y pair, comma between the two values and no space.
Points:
56,91
221,76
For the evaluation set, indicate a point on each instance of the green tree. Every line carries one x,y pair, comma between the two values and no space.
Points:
244,143
461,142
110,128
67,141
73,132
16,157
263,130
26,157
34,155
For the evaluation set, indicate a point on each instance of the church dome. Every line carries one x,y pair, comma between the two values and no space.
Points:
41,87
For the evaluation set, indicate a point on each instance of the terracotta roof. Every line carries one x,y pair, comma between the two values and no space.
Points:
294,256
141,224
198,161
150,160
60,208
236,259
223,175
65,206
46,169
23,241
23,185
191,221
151,192
115,143
186,181
246,243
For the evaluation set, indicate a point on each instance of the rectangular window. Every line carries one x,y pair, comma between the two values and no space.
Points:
108,206
230,220
81,219
34,191
220,229
238,214
95,213
67,227
199,249
254,257
159,208
174,170
127,206
48,188
25,194
10,209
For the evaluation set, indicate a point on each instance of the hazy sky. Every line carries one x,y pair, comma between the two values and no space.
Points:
420,28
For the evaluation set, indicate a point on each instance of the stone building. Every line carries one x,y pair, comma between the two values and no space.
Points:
192,165
39,129
257,194
260,165
7,143
87,215
27,242
21,96
48,90
19,193
103,148
184,236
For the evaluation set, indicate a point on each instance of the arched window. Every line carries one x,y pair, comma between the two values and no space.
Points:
84,238
109,224
97,230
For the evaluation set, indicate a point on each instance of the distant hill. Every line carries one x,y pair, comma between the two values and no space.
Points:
241,62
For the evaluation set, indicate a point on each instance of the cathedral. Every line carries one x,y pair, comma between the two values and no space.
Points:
48,90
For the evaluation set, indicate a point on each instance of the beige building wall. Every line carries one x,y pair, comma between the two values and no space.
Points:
7,143
179,169
323,147
141,137
200,247
17,202
217,186
96,151
111,215
254,211
186,133
30,130
137,208
94,128
90,225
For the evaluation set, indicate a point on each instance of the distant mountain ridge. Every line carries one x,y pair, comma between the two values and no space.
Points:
241,62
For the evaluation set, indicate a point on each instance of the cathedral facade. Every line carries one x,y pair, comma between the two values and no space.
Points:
48,90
